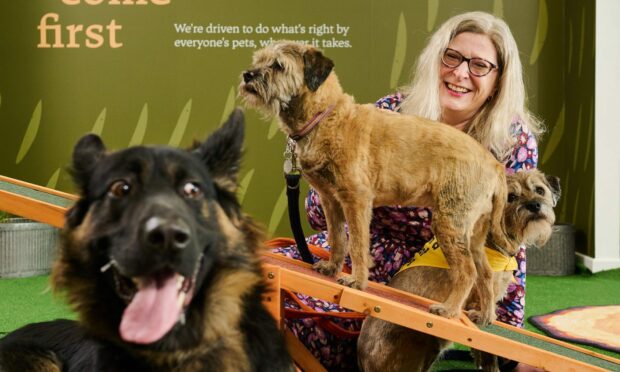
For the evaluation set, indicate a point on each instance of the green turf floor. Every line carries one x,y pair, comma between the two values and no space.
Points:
27,300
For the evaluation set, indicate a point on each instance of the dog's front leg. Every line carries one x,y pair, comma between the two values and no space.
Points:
484,284
336,236
484,313
357,208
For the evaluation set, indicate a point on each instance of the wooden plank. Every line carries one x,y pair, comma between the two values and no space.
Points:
273,298
400,312
557,342
409,299
454,330
302,357
33,209
46,190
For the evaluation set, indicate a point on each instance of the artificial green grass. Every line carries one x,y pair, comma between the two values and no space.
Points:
546,294
27,300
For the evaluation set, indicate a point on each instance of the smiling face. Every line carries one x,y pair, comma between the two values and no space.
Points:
462,94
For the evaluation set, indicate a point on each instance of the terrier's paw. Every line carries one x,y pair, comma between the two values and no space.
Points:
441,310
350,281
326,267
478,317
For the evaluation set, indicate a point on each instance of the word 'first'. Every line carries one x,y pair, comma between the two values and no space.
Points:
93,36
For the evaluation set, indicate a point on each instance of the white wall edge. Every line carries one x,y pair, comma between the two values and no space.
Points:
596,265
606,133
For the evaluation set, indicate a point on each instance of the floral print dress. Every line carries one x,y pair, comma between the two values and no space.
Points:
396,234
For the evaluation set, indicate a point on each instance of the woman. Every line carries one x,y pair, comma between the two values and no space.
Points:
469,76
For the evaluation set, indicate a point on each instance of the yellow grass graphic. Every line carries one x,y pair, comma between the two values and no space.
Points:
31,133
179,129
244,185
53,181
541,31
278,212
138,134
229,106
400,51
98,126
433,7
555,137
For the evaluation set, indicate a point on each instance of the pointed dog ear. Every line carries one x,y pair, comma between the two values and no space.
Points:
316,68
554,185
86,153
221,152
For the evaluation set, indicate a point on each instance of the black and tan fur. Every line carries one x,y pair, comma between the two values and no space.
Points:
147,214
529,217
360,157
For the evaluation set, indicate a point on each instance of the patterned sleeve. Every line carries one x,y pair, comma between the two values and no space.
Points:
511,309
390,102
525,153
316,217
314,211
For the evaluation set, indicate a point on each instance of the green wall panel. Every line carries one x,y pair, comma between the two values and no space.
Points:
152,91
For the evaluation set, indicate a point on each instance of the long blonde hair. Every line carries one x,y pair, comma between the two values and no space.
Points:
491,124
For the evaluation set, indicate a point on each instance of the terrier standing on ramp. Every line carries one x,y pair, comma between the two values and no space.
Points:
358,157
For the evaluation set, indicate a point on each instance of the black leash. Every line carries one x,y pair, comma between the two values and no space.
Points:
292,194
292,174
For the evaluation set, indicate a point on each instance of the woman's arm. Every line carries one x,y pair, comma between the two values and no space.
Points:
511,309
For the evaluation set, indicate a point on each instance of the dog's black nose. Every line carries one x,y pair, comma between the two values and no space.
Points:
248,76
161,233
533,206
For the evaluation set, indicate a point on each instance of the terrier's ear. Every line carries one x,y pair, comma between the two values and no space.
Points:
316,68
554,185
86,153
221,152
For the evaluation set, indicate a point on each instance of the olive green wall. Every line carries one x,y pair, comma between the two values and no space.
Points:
150,91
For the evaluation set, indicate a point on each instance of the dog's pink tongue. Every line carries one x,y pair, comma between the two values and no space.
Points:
153,311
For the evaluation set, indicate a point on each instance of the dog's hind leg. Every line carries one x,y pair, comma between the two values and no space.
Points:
454,238
336,237
384,346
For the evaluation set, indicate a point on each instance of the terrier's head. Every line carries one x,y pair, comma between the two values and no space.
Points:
529,212
280,72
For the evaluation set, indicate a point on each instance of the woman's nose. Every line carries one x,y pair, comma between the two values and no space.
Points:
461,70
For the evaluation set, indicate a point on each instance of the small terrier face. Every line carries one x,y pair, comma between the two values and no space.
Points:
529,212
273,78
280,72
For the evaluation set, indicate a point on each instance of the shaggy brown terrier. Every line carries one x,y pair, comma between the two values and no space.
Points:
529,217
360,157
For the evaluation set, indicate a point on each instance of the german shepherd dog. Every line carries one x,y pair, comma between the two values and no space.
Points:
160,265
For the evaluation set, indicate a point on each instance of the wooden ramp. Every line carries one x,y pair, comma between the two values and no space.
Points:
49,206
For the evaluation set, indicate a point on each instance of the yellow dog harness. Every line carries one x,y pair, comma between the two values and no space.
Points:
432,255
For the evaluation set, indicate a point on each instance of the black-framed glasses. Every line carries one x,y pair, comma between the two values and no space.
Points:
477,66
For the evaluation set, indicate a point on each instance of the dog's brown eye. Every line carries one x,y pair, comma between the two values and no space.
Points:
512,197
277,66
192,190
119,189
540,191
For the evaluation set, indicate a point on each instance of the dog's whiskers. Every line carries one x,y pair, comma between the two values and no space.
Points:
107,266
